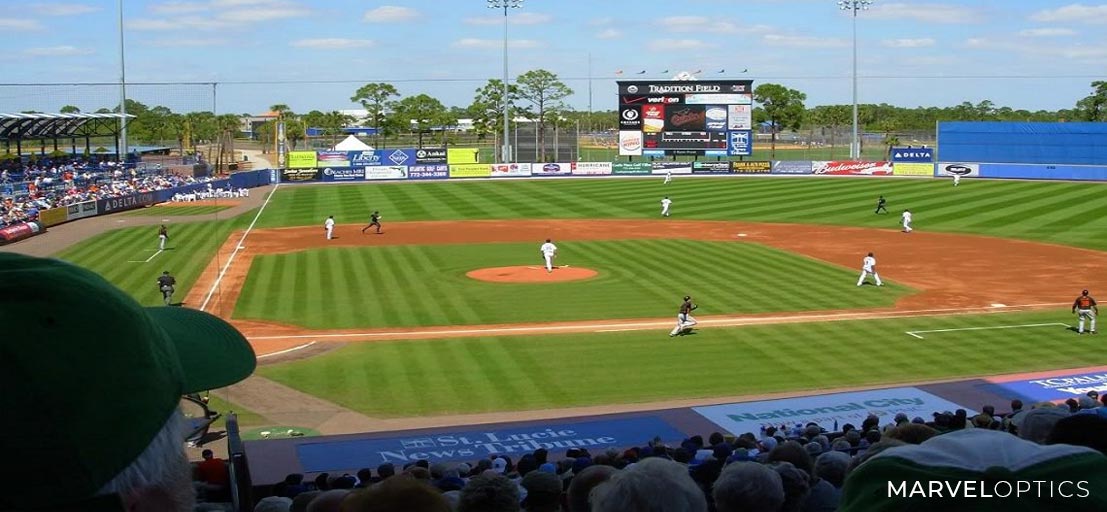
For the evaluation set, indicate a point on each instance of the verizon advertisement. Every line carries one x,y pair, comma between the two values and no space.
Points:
676,117
851,168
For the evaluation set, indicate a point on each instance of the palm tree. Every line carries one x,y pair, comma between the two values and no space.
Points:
227,125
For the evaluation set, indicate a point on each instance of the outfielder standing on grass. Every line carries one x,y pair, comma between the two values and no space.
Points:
549,252
684,318
1085,307
163,236
166,283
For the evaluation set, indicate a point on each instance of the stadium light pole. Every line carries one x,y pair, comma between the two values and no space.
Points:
854,5
122,93
506,5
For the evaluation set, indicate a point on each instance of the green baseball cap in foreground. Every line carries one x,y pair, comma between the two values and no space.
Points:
90,376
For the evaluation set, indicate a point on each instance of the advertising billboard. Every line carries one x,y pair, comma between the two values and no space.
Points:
386,172
332,159
964,170
301,160
300,175
912,169
592,168
671,167
753,167
631,168
558,169
428,172
683,117
711,168
911,154
430,156
462,156
470,171
739,143
343,174
851,168
792,167
510,170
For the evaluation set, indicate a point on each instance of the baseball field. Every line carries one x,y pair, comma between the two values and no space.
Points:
449,313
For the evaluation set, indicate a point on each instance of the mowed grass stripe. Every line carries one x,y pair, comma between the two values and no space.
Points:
176,211
759,359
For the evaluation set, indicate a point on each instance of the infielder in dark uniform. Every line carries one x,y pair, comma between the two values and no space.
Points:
166,283
374,220
880,205
1085,307
684,318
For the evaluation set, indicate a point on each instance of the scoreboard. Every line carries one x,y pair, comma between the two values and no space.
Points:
711,118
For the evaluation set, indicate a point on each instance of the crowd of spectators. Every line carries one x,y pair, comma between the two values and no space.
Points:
785,468
26,190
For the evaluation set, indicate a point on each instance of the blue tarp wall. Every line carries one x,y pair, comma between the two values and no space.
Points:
1023,143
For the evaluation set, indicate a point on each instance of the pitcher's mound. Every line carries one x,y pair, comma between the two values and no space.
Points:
531,274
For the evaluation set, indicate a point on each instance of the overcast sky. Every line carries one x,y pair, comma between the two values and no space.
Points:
1033,54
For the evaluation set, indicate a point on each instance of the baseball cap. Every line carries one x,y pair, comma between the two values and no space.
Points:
95,375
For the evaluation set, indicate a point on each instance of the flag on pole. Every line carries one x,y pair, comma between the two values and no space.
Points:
641,72
698,71
744,70
618,71
721,71
665,72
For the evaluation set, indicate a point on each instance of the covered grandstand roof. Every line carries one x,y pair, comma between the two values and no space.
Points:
58,126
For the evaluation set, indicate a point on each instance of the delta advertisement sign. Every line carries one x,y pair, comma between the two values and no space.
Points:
468,445
826,410
1053,386
851,168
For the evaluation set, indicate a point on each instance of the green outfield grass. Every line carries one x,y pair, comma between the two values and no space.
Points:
176,211
406,286
473,375
1069,213
120,256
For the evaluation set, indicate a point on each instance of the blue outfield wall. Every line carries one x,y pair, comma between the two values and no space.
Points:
1024,143
1044,172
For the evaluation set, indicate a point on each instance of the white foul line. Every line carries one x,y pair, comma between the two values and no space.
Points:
152,256
915,333
287,350
237,248
641,326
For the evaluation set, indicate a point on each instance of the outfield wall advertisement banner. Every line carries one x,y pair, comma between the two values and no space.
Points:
671,167
332,159
364,158
592,168
470,171
430,156
792,167
912,169
631,168
299,175
462,156
510,170
852,168
343,174
52,216
473,444
20,231
916,155
739,143
1051,386
711,168
386,172
751,167
960,169
428,172
826,410
301,159
558,169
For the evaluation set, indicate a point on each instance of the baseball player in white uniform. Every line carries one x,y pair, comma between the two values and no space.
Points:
956,179
549,252
329,226
665,204
906,221
868,266
668,177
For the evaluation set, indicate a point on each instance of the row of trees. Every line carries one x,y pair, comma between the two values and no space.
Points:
539,95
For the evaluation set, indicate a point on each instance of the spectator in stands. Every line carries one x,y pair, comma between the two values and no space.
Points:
292,486
653,485
212,475
87,453
1034,425
364,478
1081,430
301,501
911,433
748,487
328,501
832,467
273,504
796,484
397,495
385,470
489,492
822,495
543,492
580,488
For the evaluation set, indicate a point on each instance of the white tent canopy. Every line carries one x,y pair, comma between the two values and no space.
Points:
352,143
